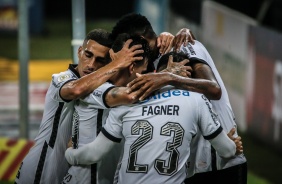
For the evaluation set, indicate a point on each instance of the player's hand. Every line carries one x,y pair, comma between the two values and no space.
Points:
164,42
178,68
70,143
237,141
126,56
183,36
145,84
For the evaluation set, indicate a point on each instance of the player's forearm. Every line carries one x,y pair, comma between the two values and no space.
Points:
224,146
209,88
89,153
118,96
86,84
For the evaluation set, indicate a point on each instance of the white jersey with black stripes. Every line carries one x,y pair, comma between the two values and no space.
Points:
201,156
87,121
45,162
157,134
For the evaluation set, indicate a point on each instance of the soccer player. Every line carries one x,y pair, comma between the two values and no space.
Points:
157,134
88,110
205,79
45,162
204,160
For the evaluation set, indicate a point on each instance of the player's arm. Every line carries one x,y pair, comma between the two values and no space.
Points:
90,153
119,96
79,88
202,81
224,146
212,131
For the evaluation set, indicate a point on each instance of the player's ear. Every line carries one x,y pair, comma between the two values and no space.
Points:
79,50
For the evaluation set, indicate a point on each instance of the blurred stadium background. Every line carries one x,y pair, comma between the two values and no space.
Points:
243,37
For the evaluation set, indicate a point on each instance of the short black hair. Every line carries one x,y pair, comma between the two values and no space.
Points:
136,39
132,24
101,36
177,57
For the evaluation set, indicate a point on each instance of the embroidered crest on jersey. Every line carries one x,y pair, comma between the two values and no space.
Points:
64,77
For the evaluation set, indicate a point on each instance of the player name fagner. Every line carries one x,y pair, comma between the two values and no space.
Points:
160,110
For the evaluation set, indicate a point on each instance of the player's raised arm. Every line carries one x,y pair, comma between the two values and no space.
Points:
86,84
202,81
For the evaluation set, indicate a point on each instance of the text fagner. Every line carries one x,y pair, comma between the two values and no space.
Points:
160,110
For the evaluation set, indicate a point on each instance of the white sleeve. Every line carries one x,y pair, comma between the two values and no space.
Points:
58,81
97,98
212,131
90,153
208,120
224,146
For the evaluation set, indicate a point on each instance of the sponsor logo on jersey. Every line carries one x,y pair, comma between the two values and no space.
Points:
166,94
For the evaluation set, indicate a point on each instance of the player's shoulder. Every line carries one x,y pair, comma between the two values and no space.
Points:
196,50
199,97
63,76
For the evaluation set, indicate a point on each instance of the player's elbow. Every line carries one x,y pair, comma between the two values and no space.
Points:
217,93
76,93
71,93
228,152
214,93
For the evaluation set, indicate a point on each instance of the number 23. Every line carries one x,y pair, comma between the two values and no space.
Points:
145,137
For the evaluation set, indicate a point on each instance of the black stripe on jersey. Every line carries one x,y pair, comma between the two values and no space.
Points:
72,68
93,173
214,134
41,163
195,60
104,96
109,136
213,159
99,120
56,125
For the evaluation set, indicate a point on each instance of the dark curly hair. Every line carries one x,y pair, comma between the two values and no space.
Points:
132,24
101,36
136,39
177,57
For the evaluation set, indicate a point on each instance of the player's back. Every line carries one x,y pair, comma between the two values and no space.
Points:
157,133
